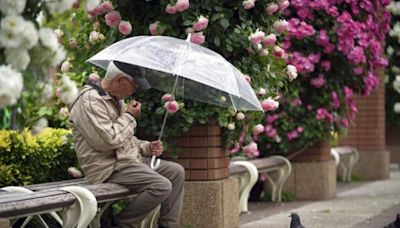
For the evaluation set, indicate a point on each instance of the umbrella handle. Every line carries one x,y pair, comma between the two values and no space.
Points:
154,163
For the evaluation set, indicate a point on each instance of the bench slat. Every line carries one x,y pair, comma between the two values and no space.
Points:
260,163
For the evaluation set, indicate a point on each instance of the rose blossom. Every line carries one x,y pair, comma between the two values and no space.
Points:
251,150
197,38
269,39
281,26
171,9
231,126
166,97
107,6
269,104
182,5
156,29
258,129
318,82
73,43
201,24
278,52
93,77
262,92
125,28
283,5
65,66
171,106
248,4
272,8
113,18
291,72
240,116
256,37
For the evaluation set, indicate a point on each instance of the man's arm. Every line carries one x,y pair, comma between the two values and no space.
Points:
112,133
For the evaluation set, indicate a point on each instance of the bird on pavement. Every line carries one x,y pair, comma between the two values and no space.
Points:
295,223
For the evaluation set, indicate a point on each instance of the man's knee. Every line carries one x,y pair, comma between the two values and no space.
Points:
162,187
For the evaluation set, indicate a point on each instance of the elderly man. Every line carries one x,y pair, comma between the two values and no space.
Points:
108,151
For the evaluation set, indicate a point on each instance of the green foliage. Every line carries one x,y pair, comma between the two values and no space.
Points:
28,159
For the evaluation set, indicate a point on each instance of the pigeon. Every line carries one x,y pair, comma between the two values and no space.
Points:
295,223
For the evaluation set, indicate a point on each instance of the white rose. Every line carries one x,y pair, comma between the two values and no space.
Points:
93,36
92,4
11,85
48,38
262,92
64,113
59,33
8,7
29,35
59,6
18,58
396,85
13,23
69,91
291,72
59,55
397,107
223,98
47,90
65,66
390,50
231,126
240,116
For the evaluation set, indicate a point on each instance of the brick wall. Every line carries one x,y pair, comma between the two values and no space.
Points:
202,154
319,152
368,133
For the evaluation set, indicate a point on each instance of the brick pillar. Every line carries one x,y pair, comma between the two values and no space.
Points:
211,197
393,143
368,136
314,174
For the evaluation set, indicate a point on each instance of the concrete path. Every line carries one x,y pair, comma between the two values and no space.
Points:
358,205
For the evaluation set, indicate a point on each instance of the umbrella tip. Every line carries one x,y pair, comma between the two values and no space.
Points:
188,37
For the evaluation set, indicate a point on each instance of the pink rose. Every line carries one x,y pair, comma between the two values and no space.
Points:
269,104
166,97
197,38
272,8
258,129
171,9
345,122
281,26
251,150
318,82
248,4
284,5
125,27
278,52
156,29
93,77
201,24
182,5
113,19
107,6
58,92
257,37
171,106
269,40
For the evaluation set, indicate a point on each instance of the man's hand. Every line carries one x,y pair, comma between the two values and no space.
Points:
134,108
156,148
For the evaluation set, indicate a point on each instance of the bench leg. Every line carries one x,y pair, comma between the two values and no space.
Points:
29,218
151,219
81,213
283,174
246,183
353,159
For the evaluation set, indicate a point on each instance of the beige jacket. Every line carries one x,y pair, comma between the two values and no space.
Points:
104,134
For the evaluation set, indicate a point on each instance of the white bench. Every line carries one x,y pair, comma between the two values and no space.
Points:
247,171
345,157
72,203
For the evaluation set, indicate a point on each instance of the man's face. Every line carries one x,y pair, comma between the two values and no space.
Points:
122,86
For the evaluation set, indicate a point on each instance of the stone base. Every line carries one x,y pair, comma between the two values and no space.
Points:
211,204
394,154
312,180
373,165
4,223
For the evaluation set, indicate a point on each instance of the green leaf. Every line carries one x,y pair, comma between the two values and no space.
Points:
217,41
160,111
187,22
224,23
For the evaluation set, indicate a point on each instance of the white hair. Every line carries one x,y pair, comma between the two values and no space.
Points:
113,71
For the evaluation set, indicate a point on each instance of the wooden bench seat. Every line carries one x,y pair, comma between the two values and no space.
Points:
248,170
62,197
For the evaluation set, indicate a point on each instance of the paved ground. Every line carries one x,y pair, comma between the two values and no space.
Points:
358,205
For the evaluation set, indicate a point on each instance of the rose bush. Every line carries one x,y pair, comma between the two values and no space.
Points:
244,32
337,49
28,48
393,72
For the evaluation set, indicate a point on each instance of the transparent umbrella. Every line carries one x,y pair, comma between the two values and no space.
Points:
178,66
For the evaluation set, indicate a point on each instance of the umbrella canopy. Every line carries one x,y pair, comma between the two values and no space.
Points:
204,75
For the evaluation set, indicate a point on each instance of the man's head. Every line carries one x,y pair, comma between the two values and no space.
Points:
117,83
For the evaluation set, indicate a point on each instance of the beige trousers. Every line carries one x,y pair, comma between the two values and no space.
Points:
163,185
